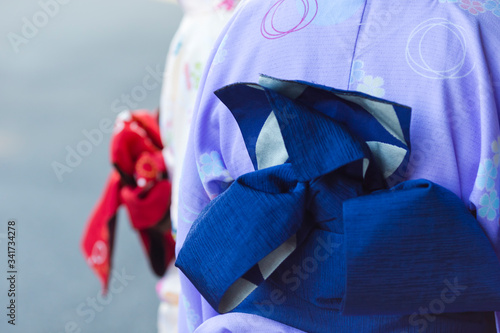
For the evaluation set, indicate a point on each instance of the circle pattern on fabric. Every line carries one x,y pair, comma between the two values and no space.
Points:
272,26
424,44
99,253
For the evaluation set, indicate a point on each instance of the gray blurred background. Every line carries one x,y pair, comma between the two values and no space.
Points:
56,81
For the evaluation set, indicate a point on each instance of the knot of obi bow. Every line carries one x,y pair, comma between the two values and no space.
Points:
139,182
316,226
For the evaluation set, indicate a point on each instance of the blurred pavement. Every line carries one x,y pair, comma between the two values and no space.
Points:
70,69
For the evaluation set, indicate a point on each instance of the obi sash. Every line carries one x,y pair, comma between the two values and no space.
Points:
139,182
317,239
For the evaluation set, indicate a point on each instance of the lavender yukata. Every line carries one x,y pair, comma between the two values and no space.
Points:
436,56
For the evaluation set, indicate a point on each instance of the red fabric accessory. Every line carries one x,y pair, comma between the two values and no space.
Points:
138,181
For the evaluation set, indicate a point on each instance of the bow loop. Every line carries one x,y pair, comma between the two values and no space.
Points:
139,182
271,230
316,144
270,213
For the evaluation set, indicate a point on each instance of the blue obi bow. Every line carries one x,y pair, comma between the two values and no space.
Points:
315,239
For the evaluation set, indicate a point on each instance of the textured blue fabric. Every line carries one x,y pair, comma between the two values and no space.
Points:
250,123
421,240
367,258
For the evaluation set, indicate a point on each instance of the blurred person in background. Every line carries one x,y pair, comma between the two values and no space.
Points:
186,60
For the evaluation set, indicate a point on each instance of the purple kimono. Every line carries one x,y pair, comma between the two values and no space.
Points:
436,56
